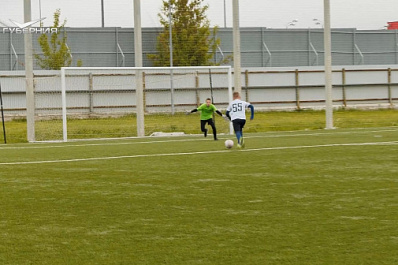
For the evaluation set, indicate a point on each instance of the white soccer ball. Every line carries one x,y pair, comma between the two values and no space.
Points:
229,144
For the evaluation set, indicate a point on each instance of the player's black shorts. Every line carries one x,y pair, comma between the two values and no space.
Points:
203,124
238,124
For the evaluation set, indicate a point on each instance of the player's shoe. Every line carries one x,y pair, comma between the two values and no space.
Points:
205,132
239,146
242,142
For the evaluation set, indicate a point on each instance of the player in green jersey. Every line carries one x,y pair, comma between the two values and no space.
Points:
206,116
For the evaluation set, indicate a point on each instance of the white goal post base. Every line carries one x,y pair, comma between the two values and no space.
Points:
167,134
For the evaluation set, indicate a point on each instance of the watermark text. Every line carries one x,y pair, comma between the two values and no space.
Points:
30,30
24,28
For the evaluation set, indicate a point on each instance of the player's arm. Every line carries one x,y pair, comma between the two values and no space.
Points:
196,109
227,114
192,111
219,112
252,111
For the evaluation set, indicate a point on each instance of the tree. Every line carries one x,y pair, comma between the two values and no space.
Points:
56,53
194,44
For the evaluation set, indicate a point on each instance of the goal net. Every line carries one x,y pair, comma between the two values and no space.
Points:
48,107
97,102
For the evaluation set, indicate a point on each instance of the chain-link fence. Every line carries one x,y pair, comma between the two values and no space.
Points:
261,47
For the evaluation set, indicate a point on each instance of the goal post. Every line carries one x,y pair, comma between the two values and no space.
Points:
101,102
63,100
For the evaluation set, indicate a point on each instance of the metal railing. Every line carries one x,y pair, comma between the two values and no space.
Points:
361,61
269,61
14,66
70,53
316,61
122,63
221,52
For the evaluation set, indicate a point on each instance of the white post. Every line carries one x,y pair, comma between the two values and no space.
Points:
40,10
328,66
236,40
138,73
225,15
171,60
231,128
63,95
102,14
30,98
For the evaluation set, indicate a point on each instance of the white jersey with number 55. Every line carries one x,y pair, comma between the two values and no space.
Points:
237,109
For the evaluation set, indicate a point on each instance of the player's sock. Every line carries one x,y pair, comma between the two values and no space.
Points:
205,132
238,136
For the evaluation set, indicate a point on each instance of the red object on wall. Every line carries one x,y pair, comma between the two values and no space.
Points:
392,25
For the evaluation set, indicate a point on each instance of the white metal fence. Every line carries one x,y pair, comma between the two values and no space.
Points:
267,89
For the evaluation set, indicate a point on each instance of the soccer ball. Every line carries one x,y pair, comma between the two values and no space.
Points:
229,144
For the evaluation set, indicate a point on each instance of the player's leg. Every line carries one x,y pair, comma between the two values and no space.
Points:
213,126
238,125
242,141
238,130
203,127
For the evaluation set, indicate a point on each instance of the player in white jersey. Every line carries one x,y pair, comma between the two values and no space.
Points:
236,112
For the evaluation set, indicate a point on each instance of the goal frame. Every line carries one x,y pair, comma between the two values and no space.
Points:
139,90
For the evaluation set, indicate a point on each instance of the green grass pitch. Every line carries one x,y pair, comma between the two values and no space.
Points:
303,197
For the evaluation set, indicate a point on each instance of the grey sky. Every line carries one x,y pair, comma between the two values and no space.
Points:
369,14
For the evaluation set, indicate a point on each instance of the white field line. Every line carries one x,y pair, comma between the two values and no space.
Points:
64,145
198,153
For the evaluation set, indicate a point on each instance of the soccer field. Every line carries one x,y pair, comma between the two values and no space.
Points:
302,197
